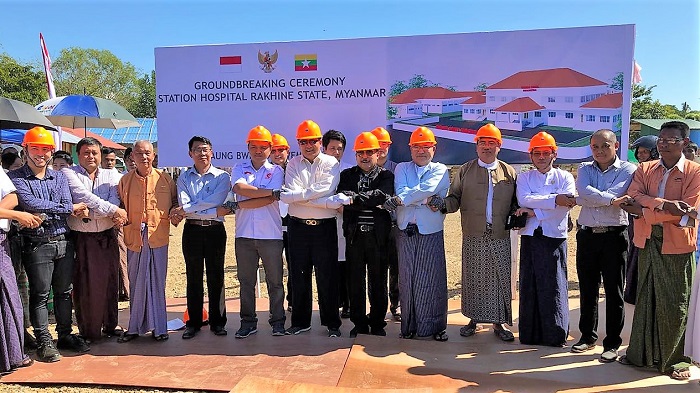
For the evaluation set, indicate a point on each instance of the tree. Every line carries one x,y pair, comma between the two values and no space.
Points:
618,82
21,82
145,103
96,72
481,86
643,106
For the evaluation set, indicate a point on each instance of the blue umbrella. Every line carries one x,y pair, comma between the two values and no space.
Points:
81,111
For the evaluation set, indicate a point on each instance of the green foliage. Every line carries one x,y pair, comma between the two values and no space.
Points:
21,82
618,82
95,72
145,103
481,86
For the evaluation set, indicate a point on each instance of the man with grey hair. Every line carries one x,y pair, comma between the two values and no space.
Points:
148,195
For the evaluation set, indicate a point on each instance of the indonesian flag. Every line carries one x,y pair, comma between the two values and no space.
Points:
636,73
47,67
230,64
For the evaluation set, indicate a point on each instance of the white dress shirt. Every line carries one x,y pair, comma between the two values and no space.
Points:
262,222
309,186
537,191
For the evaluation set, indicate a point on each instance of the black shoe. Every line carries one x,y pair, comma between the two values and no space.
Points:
218,330
47,352
394,313
29,341
73,342
246,331
355,331
333,332
378,332
296,330
345,314
189,333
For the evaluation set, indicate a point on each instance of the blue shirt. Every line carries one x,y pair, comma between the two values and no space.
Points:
50,195
414,185
200,195
596,190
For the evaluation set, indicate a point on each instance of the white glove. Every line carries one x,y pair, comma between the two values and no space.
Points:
344,199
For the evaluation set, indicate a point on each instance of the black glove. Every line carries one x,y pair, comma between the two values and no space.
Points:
232,206
392,203
437,202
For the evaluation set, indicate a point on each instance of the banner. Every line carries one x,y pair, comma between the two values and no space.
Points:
568,82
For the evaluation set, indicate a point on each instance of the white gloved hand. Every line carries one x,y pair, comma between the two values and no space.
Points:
344,199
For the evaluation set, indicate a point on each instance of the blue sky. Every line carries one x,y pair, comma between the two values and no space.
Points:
666,45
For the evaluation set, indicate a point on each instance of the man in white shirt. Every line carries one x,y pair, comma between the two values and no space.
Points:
310,183
259,232
546,194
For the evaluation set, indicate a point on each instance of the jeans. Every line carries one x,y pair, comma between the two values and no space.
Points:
49,264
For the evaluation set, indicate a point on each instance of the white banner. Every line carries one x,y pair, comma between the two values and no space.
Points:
568,82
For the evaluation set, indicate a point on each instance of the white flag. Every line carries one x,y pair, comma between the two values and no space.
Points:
47,67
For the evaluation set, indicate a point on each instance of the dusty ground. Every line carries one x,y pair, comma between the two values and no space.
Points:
176,284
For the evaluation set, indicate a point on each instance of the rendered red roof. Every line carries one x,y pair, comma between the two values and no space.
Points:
608,101
418,93
551,78
522,104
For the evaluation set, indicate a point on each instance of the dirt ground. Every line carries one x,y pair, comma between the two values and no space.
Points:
176,285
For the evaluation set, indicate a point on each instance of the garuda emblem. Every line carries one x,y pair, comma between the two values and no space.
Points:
267,61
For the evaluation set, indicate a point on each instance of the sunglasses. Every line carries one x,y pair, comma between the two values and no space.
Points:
304,142
365,153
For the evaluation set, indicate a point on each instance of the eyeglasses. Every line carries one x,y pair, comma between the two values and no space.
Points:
668,141
365,153
200,150
487,143
419,147
544,154
304,142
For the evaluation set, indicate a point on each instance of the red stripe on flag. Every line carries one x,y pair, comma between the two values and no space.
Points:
229,60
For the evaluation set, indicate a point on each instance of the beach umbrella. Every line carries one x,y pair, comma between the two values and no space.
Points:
20,116
82,111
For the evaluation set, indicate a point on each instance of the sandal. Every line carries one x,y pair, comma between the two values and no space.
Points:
467,330
117,331
161,337
682,374
441,336
623,360
126,337
503,334
408,335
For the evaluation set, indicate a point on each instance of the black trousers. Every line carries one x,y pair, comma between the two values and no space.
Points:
367,261
314,247
205,246
393,255
602,255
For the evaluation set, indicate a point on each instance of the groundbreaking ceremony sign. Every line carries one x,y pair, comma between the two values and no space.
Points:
567,82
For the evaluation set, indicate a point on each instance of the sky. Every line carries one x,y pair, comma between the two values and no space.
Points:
667,38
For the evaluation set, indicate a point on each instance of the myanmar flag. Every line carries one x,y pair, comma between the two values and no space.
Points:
305,62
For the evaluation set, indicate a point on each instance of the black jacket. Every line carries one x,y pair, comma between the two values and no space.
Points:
381,189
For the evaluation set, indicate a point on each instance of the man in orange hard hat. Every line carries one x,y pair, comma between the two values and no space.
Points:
259,232
279,155
310,183
383,161
200,190
420,187
546,194
484,192
366,228
47,252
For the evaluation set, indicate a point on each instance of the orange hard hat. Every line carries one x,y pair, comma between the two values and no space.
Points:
382,134
205,316
542,139
38,136
259,134
422,135
279,141
308,129
488,131
366,141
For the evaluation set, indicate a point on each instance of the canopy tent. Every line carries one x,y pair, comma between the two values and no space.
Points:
16,136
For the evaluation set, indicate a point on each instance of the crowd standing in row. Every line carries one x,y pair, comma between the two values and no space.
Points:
356,228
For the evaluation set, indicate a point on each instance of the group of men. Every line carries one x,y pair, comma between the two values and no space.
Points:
383,215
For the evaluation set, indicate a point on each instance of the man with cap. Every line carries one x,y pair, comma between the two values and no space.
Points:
665,196
96,270
602,242
148,194
279,155
200,190
384,144
310,183
420,187
259,232
47,252
546,194
484,192
366,228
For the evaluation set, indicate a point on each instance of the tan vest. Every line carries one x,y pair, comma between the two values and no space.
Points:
148,200
468,193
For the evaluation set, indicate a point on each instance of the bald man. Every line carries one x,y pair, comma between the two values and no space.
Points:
602,242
